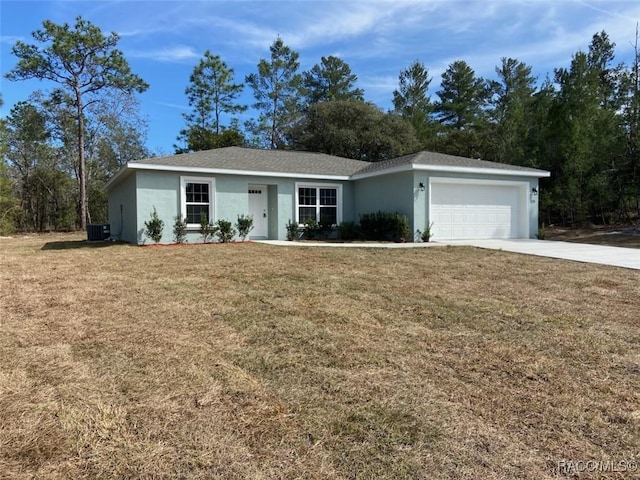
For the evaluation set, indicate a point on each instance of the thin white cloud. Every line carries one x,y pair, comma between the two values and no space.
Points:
374,84
171,54
240,32
330,23
607,11
337,25
175,106
11,39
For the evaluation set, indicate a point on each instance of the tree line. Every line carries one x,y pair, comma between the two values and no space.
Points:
581,123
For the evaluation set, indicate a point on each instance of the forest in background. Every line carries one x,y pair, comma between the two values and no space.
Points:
59,147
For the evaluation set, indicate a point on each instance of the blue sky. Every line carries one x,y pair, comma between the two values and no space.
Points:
164,40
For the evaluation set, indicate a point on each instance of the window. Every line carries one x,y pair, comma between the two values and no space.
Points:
197,198
318,202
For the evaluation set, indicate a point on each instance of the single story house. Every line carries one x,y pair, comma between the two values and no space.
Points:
461,197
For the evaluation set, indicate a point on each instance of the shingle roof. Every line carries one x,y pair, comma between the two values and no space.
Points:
441,160
314,165
259,160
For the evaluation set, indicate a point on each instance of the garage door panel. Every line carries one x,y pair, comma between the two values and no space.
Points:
463,211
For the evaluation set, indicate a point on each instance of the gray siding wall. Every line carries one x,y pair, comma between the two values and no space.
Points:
159,190
388,193
272,196
162,191
132,200
122,210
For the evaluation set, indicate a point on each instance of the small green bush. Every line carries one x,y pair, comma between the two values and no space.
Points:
153,227
348,231
427,234
207,229
8,218
542,234
402,228
244,226
292,230
180,230
310,229
325,225
384,226
224,231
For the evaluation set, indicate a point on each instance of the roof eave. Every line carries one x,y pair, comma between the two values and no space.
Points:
453,169
227,171
120,175
129,167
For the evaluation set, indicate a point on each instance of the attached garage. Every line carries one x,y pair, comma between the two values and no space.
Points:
459,198
475,209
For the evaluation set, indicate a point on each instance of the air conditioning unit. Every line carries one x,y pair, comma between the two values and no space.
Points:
98,231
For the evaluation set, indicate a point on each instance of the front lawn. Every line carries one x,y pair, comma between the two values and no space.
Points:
253,361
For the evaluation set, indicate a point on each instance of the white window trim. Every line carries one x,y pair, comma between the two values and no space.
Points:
338,188
183,197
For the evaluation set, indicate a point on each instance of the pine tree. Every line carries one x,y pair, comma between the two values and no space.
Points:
462,111
331,80
511,111
277,90
212,94
412,101
85,63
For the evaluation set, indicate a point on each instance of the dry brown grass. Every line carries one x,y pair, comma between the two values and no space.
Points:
253,361
628,237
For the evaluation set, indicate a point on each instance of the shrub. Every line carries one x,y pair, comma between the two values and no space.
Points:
310,229
9,218
207,229
153,228
180,230
224,231
326,224
402,228
542,234
427,234
292,230
348,231
244,226
384,226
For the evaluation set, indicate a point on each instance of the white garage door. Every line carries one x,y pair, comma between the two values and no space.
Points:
470,210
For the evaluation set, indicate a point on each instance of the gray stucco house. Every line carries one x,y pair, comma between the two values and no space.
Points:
463,198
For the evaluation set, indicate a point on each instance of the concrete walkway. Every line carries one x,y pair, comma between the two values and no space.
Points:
579,252
283,243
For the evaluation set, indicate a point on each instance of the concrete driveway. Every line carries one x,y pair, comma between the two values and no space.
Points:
579,252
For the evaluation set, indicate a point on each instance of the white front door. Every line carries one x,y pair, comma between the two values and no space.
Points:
258,210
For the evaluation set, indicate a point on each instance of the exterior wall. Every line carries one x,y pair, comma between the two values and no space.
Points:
162,191
348,202
272,201
132,200
147,189
421,205
388,193
122,210
286,205
281,194
534,208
